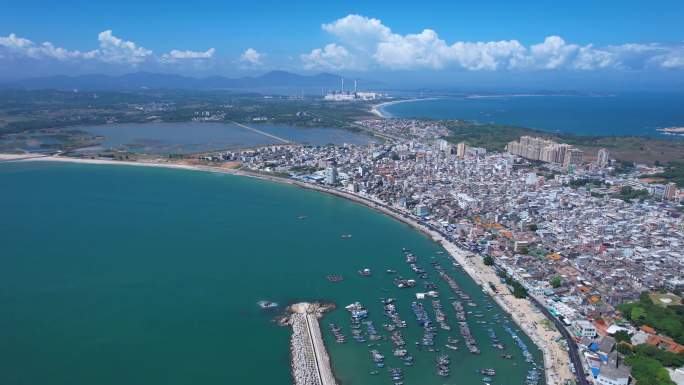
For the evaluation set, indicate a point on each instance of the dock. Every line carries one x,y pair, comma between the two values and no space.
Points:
310,361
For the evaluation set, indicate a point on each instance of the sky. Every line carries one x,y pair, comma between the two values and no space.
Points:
418,43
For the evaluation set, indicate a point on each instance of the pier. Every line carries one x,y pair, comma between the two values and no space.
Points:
310,361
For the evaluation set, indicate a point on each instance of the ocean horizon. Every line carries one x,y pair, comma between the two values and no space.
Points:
632,114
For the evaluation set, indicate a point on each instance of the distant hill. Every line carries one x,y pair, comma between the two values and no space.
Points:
143,80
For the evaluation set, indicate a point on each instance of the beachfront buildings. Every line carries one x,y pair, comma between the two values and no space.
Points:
539,221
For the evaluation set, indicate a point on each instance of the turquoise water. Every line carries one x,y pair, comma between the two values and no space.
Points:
131,275
190,137
629,114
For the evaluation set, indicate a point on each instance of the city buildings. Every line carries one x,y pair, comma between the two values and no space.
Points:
544,150
537,221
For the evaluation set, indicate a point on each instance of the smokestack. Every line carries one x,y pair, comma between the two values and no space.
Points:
354,86
343,84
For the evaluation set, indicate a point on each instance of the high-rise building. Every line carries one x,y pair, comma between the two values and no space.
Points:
670,191
422,210
572,157
461,149
545,150
331,175
603,158
444,146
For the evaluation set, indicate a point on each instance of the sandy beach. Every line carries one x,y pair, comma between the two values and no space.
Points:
377,109
523,312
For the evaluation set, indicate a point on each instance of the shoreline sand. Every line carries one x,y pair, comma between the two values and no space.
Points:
377,108
522,311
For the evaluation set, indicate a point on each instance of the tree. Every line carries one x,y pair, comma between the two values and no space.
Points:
556,282
624,349
623,336
637,315
533,227
648,371
488,260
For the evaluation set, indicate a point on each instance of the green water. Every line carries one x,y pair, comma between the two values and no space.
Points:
130,275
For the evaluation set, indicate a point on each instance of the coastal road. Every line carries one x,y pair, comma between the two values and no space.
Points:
575,356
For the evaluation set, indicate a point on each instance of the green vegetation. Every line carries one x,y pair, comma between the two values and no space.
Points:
674,172
518,290
625,149
648,371
667,320
488,260
648,363
585,182
624,348
34,110
623,336
627,193
556,282
669,359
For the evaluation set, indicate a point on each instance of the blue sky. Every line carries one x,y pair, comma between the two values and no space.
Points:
426,41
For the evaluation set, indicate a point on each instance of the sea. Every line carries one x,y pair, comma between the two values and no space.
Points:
631,114
117,275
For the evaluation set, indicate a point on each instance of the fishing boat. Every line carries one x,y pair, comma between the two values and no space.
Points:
365,272
345,236
452,347
488,371
334,277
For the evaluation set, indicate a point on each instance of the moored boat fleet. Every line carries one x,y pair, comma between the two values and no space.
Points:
432,319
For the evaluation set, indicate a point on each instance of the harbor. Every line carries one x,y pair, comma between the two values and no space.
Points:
396,280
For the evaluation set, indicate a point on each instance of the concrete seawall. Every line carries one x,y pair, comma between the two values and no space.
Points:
310,361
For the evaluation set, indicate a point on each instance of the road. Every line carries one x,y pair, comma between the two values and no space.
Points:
575,356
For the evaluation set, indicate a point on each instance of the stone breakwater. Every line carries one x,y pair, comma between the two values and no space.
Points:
310,361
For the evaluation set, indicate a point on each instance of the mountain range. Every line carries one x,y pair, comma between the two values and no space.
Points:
148,80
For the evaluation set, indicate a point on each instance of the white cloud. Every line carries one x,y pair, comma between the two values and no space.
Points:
369,43
13,46
252,58
112,49
332,56
116,50
176,55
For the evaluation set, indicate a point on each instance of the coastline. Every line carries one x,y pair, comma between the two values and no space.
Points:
377,109
522,311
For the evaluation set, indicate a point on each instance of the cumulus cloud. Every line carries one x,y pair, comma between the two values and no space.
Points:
251,58
13,46
332,56
111,49
363,42
116,50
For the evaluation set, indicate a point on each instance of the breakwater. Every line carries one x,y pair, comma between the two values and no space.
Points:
310,361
